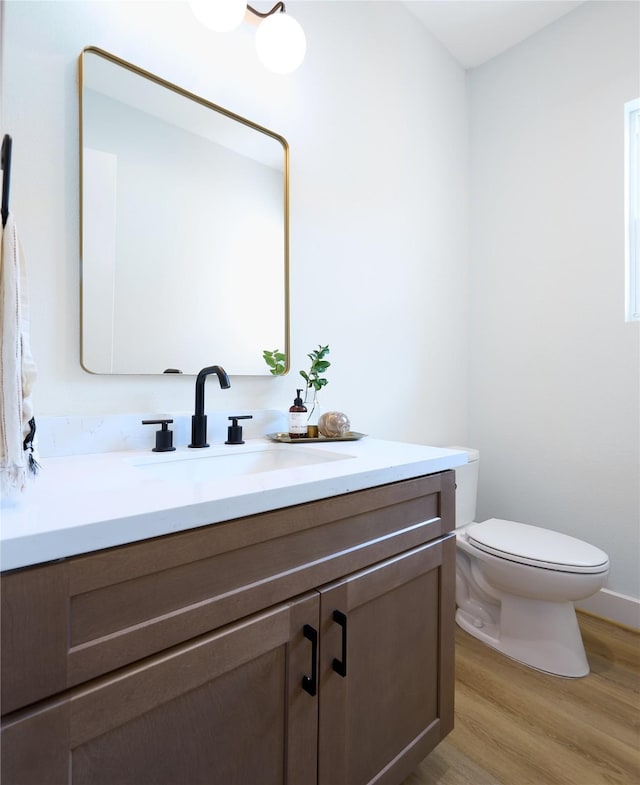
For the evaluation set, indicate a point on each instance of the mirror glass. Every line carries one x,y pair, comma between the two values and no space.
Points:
184,216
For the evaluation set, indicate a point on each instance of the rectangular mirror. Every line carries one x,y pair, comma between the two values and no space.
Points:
184,228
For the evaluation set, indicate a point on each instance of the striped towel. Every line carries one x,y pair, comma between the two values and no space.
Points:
17,369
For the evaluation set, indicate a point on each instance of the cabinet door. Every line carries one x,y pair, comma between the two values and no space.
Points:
387,666
226,708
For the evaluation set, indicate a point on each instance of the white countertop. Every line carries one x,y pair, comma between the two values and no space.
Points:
84,503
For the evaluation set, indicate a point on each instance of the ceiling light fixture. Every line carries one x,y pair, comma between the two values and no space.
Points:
280,40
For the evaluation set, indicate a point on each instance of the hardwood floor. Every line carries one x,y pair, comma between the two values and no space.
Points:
516,726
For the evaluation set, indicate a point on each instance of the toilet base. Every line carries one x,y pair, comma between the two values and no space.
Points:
541,634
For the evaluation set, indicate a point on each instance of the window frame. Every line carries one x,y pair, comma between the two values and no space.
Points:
632,209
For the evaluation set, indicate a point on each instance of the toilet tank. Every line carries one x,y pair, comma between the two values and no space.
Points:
467,487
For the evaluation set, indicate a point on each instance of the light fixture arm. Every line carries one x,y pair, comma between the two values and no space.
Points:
280,40
277,7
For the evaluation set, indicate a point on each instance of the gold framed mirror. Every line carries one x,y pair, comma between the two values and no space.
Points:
184,215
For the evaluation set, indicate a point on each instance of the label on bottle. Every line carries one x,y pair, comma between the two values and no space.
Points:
297,424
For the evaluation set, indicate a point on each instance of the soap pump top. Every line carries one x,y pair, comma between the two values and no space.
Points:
298,405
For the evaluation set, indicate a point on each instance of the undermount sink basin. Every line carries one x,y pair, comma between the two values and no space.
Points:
206,465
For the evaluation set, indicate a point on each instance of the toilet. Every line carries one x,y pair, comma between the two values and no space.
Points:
516,584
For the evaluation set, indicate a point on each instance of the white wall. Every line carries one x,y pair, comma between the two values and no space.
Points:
376,119
554,373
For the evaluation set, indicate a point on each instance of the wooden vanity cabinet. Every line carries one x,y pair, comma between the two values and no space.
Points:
224,708
395,702
346,682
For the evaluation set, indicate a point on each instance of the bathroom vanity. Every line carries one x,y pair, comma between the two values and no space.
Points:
309,642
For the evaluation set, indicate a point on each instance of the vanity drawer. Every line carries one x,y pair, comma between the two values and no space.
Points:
74,620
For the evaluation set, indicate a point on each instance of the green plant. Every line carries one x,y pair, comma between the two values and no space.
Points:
318,366
276,361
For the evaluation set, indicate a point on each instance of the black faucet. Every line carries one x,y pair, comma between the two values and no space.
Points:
199,419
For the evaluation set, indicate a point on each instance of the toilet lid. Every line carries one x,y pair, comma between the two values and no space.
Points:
536,546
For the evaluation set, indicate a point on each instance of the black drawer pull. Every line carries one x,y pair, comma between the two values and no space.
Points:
340,666
310,683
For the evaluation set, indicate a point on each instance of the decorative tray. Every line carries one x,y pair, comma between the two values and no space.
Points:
350,436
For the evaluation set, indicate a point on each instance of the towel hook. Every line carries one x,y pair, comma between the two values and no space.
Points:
5,161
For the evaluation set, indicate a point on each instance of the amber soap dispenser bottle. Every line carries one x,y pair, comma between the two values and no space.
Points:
298,418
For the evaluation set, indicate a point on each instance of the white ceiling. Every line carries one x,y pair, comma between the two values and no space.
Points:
474,31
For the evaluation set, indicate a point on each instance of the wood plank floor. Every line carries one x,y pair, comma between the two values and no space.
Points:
516,726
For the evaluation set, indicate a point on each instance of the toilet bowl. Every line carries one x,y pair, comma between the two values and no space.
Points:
516,584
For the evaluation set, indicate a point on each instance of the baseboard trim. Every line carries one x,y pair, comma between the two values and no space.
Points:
616,607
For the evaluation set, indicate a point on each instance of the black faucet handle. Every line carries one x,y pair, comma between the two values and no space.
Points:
234,431
164,437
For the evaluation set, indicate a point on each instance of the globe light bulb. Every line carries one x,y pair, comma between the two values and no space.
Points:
219,15
281,43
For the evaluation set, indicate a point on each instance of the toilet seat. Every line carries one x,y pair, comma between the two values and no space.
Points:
536,547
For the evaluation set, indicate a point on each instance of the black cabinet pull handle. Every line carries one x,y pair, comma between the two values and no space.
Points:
340,666
310,683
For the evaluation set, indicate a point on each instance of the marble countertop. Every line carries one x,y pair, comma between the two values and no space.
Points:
83,503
